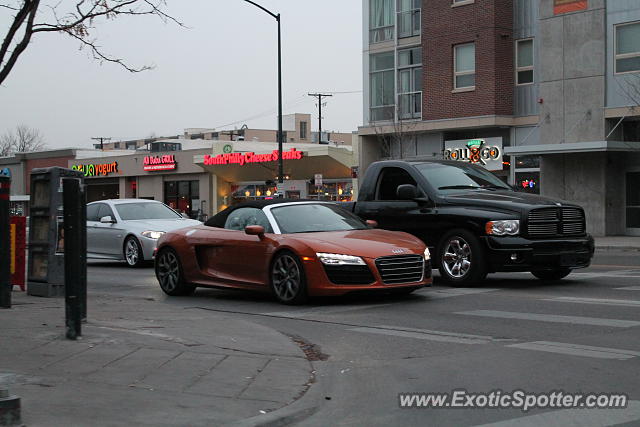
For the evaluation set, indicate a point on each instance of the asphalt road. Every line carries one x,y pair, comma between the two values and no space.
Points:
515,332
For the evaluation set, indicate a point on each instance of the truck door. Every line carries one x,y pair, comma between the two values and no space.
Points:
394,214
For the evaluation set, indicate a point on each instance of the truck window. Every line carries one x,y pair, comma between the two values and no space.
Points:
388,183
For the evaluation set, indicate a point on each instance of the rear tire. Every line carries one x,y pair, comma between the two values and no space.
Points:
461,259
169,274
288,281
557,274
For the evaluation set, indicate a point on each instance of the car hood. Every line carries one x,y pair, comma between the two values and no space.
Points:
364,243
506,200
162,224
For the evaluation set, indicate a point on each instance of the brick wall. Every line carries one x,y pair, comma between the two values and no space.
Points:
43,163
487,23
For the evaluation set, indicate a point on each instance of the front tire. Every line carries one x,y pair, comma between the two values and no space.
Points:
169,274
461,260
551,275
133,252
288,281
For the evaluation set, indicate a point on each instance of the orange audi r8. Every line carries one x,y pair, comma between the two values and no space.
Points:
296,249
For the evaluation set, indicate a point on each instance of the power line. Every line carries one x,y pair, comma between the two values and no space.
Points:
101,139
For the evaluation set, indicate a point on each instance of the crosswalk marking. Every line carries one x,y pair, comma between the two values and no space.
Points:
603,301
425,334
454,292
313,311
576,417
577,350
629,288
580,320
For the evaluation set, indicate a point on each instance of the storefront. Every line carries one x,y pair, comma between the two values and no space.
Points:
200,182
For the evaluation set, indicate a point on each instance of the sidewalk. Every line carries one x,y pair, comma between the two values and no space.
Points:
143,362
611,243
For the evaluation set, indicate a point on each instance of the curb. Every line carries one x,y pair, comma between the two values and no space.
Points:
618,248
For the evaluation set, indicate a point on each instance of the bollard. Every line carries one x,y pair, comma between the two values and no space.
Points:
72,256
83,251
5,251
9,409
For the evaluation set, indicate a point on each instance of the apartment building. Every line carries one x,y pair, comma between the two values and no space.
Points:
551,87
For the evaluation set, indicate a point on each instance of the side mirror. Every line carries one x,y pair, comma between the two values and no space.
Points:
254,230
107,220
407,192
372,223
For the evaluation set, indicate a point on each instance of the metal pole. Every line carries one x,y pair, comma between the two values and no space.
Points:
280,162
72,256
319,119
5,250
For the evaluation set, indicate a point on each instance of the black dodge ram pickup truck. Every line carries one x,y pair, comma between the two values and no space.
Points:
474,223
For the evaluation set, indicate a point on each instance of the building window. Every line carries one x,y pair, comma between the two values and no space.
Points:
382,87
628,48
183,196
461,2
524,62
409,18
380,20
464,65
303,130
410,83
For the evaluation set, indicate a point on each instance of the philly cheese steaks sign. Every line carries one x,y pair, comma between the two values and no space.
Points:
485,152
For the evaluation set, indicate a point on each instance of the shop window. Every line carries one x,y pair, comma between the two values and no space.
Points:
524,162
633,200
334,191
627,47
183,196
528,182
524,62
464,66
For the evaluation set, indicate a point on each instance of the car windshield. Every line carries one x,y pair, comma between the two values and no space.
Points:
309,218
448,178
133,211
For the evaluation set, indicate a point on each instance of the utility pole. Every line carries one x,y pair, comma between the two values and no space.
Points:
101,139
319,96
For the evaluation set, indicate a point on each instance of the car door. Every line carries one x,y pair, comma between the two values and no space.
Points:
92,235
109,236
243,258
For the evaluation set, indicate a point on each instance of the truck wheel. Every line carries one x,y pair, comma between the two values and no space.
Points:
461,258
556,274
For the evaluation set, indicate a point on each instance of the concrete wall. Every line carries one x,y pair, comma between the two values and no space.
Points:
571,72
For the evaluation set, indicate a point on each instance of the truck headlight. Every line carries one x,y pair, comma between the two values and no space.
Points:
507,227
152,234
339,259
427,254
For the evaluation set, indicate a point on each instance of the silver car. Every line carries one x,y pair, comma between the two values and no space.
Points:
128,229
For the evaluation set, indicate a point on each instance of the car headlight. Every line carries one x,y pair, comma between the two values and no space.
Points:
427,254
339,259
510,227
152,234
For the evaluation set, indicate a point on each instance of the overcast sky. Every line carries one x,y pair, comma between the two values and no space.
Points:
220,70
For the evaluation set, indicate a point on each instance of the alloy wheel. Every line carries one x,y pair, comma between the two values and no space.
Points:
286,278
168,271
456,259
131,252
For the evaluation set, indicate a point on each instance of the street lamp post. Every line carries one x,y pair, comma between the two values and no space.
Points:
277,18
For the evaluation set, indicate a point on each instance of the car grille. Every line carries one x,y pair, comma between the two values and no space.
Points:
349,274
401,268
556,222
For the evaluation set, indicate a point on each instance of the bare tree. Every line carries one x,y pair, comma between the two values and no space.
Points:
75,19
393,134
24,139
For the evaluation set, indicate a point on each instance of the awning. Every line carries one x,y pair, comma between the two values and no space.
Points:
572,147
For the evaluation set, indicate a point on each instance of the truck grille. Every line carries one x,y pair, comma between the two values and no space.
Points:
556,222
400,268
349,274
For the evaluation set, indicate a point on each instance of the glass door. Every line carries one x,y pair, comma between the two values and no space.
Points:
632,208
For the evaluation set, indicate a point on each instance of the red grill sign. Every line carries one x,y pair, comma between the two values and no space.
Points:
160,163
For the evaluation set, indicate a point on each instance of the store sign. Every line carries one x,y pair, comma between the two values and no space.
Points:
166,162
483,152
247,158
103,169
565,6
